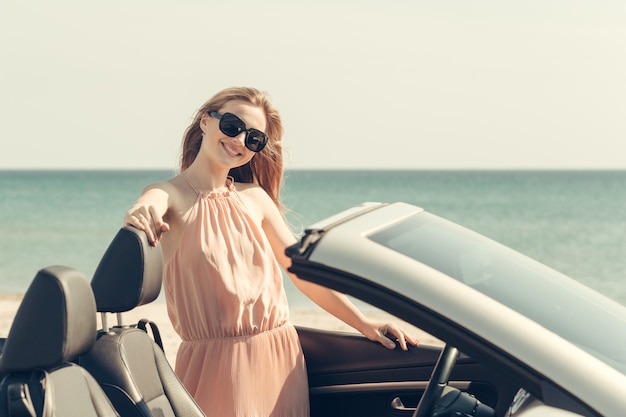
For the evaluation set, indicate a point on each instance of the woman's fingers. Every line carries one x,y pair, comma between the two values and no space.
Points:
159,225
147,219
386,330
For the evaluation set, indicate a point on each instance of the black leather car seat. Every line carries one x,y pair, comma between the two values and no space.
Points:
131,368
55,323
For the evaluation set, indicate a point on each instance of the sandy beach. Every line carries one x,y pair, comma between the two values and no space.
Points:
156,312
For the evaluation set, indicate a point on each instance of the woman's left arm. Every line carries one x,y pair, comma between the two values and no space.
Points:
337,304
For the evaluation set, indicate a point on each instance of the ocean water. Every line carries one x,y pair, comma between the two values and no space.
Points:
573,221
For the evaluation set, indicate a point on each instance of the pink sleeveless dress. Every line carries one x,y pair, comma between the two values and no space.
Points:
240,355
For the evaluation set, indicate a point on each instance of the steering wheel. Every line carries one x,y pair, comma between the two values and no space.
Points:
438,381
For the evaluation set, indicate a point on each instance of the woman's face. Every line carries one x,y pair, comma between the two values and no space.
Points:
230,151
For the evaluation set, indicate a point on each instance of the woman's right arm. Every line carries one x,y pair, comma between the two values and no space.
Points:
149,210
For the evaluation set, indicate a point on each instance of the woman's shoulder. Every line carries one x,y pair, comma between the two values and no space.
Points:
255,196
173,185
252,191
175,190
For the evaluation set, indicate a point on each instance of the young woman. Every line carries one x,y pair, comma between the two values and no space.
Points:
223,238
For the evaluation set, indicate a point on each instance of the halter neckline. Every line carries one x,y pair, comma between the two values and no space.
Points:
230,187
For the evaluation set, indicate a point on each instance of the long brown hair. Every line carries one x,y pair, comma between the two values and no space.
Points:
266,167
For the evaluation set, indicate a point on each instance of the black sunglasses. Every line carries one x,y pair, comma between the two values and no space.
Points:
231,126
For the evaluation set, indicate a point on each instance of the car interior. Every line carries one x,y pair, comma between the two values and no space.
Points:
55,362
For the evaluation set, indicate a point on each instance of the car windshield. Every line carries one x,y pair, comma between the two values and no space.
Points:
551,299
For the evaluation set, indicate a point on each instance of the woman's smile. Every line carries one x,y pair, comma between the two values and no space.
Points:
231,150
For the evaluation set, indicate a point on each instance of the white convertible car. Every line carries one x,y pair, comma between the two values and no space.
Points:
522,340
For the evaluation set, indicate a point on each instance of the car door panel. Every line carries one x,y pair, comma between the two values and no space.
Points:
352,376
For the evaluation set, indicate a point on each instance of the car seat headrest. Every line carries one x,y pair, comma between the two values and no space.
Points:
55,322
130,273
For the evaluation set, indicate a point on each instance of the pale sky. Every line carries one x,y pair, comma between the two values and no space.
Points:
402,84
